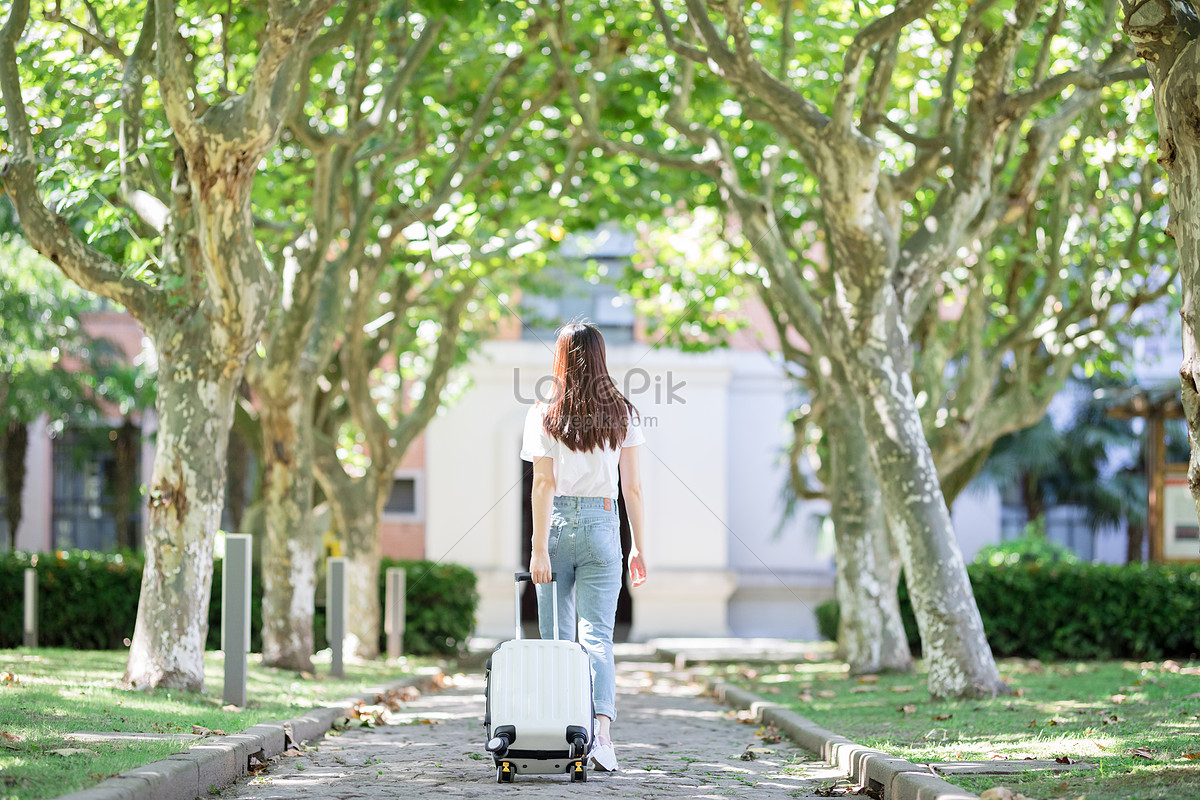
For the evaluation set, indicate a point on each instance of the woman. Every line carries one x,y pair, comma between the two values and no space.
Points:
576,440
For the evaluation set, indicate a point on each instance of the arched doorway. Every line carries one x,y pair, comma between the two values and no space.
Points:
529,604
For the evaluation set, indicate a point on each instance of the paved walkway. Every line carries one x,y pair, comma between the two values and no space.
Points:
671,743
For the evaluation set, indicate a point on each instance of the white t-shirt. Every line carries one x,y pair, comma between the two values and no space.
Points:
579,474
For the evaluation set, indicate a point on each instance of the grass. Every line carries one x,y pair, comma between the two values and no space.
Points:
46,694
1138,722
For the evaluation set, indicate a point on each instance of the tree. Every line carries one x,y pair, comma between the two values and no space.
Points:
1166,34
398,135
904,187
193,274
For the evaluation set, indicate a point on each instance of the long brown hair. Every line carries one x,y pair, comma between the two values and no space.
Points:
587,410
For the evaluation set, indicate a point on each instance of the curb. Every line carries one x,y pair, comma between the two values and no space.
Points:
886,776
220,761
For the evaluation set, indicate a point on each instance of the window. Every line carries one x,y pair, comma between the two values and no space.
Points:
403,503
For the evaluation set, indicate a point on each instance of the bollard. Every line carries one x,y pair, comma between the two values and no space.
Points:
393,611
235,615
335,613
31,609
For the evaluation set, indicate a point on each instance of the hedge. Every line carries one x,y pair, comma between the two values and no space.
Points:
1076,610
88,601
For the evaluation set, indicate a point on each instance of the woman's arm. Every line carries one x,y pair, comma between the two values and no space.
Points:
631,490
542,498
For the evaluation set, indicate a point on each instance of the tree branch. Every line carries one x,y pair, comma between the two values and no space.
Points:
867,38
105,43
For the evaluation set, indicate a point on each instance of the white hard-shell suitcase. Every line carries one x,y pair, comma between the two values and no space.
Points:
540,715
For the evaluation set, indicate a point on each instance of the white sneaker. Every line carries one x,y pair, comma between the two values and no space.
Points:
603,755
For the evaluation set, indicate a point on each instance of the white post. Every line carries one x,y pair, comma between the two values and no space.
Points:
335,613
31,609
393,613
235,615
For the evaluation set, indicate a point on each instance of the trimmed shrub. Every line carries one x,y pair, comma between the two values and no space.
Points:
88,601
828,616
440,606
1065,610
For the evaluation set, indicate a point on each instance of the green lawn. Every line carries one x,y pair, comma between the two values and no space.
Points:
48,693
1138,722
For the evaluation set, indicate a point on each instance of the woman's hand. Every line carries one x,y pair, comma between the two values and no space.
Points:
539,566
637,568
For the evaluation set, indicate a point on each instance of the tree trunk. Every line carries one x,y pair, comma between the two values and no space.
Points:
235,493
1135,536
871,634
953,643
1168,43
187,493
16,443
356,511
125,482
291,549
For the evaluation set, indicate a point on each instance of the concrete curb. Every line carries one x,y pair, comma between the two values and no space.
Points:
220,761
892,777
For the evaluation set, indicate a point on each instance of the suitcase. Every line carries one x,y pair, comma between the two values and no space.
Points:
539,713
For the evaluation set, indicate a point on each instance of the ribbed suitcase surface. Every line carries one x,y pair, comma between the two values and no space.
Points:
540,686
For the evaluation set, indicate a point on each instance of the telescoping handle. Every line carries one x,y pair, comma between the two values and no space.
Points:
525,576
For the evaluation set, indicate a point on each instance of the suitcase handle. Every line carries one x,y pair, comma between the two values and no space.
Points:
521,577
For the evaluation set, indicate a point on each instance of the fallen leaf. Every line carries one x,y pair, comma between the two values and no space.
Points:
769,734
291,752
997,757
9,737
1192,756
1066,760
73,751
827,694
1142,752
941,717
1032,723
231,707
200,730
997,793
862,689
758,750
1019,691
900,689
907,709
805,696
868,679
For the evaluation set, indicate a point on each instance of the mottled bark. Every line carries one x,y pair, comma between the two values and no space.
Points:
1168,41
356,507
291,548
954,646
871,634
186,495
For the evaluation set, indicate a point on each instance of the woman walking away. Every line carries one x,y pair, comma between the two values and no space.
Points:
576,441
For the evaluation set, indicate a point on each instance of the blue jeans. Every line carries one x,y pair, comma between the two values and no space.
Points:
585,555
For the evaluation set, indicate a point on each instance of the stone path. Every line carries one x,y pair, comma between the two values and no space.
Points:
671,743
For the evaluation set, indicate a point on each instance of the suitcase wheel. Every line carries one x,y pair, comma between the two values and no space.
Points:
505,773
578,772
